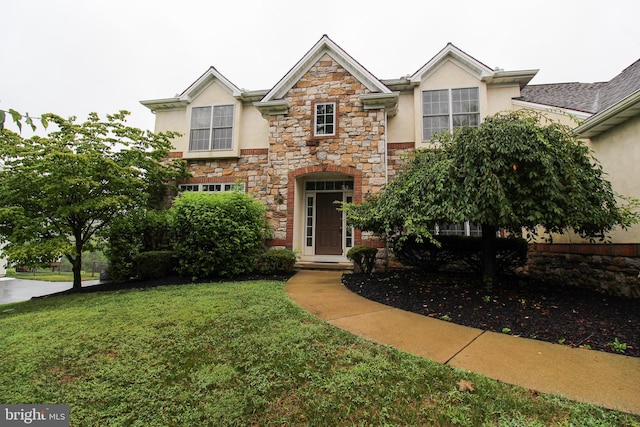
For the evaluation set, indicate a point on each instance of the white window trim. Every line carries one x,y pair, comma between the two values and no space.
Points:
212,128
451,114
206,187
309,249
466,226
315,119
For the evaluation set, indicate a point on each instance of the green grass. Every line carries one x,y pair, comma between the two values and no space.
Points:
241,354
52,276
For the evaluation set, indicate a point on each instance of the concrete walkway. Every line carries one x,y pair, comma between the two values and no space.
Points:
603,379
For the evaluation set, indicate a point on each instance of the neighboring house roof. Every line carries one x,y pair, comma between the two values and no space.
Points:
610,103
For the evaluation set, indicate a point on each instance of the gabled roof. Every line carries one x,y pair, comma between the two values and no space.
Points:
205,80
195,89
462,59
325,46
474,67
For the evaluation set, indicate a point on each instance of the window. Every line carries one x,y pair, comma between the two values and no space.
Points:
461,229
449,109
211,128
325,118
217,187
309,223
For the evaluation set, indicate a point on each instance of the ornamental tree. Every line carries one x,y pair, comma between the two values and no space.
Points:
60,191
516,171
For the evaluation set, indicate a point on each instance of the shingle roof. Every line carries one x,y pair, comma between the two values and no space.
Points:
587,97
621,86
574,96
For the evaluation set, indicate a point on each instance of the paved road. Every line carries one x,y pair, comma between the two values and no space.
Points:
15,290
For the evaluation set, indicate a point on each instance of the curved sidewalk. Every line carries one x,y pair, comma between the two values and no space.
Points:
603,379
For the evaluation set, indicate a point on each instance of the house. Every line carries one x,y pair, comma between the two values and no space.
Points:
331,130
328,130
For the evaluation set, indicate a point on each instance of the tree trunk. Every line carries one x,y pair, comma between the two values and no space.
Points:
76,262
489,253
77,271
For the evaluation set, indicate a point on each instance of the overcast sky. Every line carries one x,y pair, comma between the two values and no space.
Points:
72,57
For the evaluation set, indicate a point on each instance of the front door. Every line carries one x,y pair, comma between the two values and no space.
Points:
328,224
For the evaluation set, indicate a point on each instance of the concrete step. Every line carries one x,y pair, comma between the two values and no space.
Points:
314,265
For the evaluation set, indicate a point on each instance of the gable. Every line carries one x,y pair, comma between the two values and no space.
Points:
325,46
205,81
449,74
451,54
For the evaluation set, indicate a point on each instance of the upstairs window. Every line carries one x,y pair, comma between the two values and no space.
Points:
449,109
211,128
325,119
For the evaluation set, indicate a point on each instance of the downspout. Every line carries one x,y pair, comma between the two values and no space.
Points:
386,151
386,181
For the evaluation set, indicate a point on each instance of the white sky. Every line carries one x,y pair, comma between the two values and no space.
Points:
72,57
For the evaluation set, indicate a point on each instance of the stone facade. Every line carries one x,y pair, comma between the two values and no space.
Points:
613,269
357,149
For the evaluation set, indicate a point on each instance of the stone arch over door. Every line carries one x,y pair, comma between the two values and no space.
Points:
291,189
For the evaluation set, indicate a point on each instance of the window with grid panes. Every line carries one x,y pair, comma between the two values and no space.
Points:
449,109
217,187
325,118
211,128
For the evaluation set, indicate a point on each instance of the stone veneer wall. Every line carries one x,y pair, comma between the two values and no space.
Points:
250,168
610,268
398,156
358,143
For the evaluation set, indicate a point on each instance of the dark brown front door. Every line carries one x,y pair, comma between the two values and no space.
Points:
328,224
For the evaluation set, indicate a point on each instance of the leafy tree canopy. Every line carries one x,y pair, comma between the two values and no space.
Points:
517,170
60,191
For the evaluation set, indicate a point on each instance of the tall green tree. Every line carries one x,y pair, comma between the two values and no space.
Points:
515,171
60,191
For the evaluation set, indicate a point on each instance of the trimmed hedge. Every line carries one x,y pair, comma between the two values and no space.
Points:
364,258
276,261
510,253
217,234
155,264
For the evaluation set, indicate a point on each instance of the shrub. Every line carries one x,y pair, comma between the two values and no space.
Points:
139,231
217,234
364,258
425,255
155,264
276,261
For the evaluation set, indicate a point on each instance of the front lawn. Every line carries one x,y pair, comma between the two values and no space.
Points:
240,353
52,276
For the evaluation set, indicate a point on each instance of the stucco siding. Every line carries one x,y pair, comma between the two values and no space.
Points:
618,150
176,121
500,99
401,126
254,129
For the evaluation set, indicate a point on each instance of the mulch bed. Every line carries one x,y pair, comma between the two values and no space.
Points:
517,305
